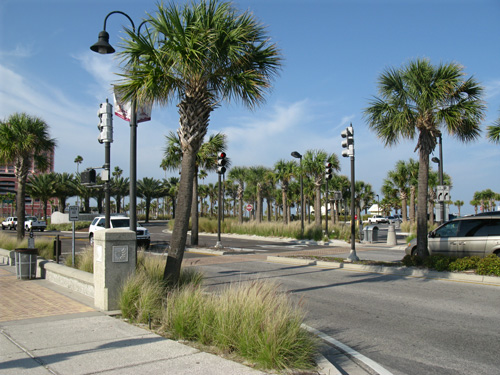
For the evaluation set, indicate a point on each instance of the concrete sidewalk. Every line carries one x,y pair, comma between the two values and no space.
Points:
46,330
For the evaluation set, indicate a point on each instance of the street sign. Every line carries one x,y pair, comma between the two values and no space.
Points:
73,213
249,207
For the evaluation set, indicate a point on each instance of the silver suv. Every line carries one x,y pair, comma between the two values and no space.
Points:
464,237
143,236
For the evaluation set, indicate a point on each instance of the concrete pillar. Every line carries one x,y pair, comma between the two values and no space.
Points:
391,235
114,261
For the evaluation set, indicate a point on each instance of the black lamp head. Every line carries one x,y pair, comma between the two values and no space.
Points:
295,154
102,46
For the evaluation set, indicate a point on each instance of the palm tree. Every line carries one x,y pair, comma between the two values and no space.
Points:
206,158
42,187
119,189
284,173
24,141
239,174
148,189
313,164
202,54
419,100
65,187
459,204
399,178
363,195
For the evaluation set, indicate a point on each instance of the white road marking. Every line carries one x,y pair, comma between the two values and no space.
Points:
367,361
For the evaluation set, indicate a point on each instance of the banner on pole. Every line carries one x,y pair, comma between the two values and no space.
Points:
123,109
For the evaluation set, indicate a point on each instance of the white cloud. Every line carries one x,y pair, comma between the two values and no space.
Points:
21,51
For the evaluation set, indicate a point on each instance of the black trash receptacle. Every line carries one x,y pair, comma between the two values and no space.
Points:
26,263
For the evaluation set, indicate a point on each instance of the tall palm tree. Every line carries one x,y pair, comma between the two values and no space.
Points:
65,187
119,189
419,100
459,205
399,178
284,173
149,189
313,164
205,158
24,141
201,54
363,196
42,187
256,178
239,174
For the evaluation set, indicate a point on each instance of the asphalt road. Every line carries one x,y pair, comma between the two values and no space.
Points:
407,325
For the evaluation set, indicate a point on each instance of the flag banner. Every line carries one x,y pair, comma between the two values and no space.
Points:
123,109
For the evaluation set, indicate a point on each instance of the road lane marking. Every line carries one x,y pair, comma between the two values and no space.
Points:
350,351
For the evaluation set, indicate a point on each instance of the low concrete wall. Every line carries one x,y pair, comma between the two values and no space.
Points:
60,218
70,278
67,277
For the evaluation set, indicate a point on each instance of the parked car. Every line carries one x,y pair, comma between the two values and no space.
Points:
393,219
10,222
463,237
32,223
377,219
143,236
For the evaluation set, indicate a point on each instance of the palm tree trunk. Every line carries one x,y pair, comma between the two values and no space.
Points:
317,206
182,214
285,206
412,204
423,180
194,212
20,207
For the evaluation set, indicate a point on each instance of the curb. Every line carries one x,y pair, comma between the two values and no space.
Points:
397,271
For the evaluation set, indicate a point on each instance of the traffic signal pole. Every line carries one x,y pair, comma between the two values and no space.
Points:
348,144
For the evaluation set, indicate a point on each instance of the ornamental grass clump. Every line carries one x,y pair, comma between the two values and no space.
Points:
84,261
143,294
253,320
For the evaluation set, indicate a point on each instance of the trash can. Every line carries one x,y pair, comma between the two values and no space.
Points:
370,233
26,263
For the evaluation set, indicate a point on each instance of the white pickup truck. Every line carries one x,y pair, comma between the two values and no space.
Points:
32,223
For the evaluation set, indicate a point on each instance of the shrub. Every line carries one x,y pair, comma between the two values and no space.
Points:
69,226
412,261
489,265
463,264
438,262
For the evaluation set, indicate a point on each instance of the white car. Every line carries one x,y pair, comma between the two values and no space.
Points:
377,219
32,223
10,222
143,236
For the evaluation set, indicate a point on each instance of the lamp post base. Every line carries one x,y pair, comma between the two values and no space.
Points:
352,256
218,245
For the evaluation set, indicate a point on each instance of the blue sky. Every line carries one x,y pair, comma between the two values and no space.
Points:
334,52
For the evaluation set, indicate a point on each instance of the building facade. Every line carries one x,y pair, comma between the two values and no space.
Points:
8,189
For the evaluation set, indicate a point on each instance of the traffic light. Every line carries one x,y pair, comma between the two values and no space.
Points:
221,162
105,126
348,143
88,177
328,171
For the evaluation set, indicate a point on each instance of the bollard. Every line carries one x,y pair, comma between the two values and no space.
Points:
57,248
391,236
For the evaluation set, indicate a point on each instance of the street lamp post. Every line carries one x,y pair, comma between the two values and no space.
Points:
378,204
296,155
102,46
